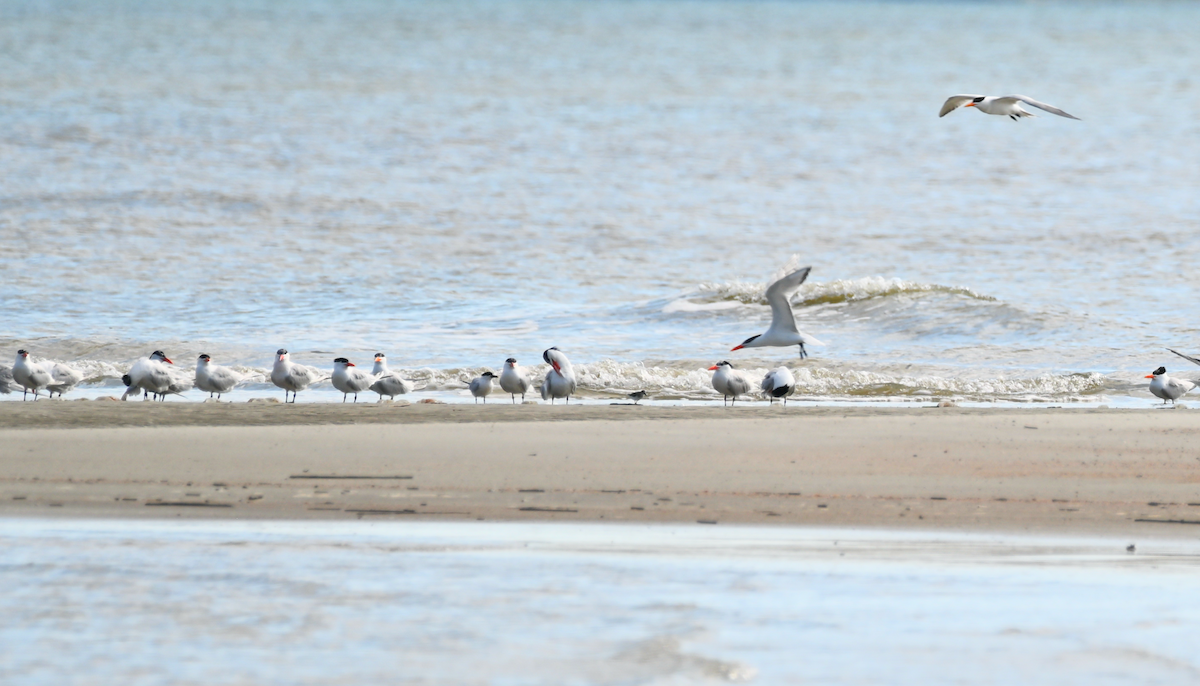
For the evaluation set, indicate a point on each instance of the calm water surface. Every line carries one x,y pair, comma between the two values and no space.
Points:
486,603
456,182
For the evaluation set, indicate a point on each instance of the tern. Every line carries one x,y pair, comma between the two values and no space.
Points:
778,383
386,381
151,376
30,375
560,380
64,377
783,331
214,378
729,382
481,386
349,380
291,376
514,380
1007,106
1163,386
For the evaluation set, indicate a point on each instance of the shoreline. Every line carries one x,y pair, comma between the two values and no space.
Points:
1061,471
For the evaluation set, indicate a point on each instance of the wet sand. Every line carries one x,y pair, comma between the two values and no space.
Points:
1083,471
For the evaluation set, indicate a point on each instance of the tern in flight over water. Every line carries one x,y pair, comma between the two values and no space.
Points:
783,331
1006,106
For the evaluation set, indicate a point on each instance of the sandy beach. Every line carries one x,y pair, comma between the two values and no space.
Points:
1081,471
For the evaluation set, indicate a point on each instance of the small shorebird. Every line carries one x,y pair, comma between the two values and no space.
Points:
152,376
386,381
30,375
778,383
1006,106
349,380
1165,387
637,396
729,382
481,386
783,331
214,378
560,380
514,380
291,376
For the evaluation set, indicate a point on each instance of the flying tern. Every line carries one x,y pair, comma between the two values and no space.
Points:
1006,106
783,331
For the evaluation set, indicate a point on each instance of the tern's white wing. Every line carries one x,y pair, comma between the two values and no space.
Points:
1193,360
956,101
778,293
1040,105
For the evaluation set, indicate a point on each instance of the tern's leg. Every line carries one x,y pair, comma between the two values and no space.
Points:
803,352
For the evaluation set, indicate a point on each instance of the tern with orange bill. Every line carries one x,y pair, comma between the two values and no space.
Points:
1163,386
1005,106
783,331
560,380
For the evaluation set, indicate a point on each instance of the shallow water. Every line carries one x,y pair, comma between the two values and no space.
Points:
457,182
473,603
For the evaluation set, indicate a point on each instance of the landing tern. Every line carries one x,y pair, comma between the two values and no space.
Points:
1006,106
783,331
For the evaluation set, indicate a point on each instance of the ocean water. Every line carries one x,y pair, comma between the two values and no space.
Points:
453,183
104,602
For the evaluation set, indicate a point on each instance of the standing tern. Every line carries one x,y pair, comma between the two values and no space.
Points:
349,380
30,375
560,380
291,376
778,383
1007,106
64,377
514,380
1163,386
214,378
481,386
783,331
151,376
729,382
386,381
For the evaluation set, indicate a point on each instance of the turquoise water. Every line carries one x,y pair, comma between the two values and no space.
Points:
486,603
453,183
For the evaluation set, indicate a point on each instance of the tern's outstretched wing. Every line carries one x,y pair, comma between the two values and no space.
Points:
1040,105
954,102
777,296
1193,360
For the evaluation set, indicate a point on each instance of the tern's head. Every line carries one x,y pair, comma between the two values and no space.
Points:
343,362
281,354
975,102
159,356
22,353
546,354
487,375
723,363
205,358
1157,372
512,362
380,357
745,343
